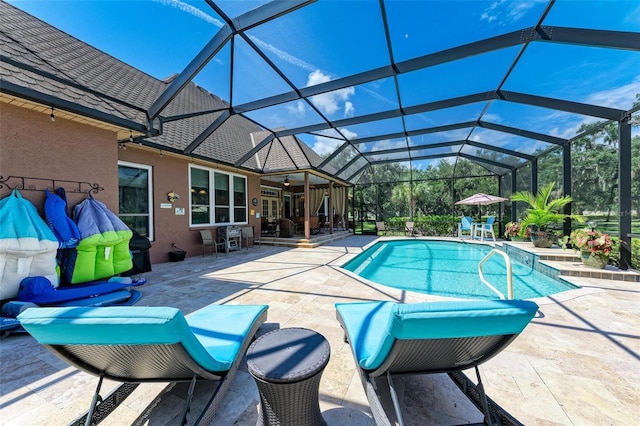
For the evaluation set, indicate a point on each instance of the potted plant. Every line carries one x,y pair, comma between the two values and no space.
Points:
541,213
512,231
594,247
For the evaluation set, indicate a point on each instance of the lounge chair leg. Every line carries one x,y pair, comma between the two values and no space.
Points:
187,401
483,398
94,402
394,398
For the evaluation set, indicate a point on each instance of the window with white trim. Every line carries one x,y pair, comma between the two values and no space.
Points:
135,197
225,204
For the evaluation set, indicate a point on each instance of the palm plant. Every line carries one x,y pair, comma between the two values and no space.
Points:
542,211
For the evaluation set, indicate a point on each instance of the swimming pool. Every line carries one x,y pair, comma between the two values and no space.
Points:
448,268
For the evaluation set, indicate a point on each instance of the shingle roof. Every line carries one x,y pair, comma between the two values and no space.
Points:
52,67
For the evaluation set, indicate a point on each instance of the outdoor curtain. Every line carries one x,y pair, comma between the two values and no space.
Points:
316,198
338,200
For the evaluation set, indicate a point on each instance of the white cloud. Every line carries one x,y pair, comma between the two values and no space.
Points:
297,109
348,134
192,10
621,97
617,97
349,110
329,103
325,145
491,117
388,144
504,11
284,55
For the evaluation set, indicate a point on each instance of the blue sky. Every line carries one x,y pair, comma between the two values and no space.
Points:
334,39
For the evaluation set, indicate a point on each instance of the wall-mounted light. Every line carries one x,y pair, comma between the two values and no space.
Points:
173,196
130,136
52,116
286,180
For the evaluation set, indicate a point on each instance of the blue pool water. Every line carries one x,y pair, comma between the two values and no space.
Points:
448,268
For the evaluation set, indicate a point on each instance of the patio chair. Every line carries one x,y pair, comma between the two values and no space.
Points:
484,229
381,228
149,344
287,228
466,225
209,241
323,222
389,339
410,229
314,225
249,235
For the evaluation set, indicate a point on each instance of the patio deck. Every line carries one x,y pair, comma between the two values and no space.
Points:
577,363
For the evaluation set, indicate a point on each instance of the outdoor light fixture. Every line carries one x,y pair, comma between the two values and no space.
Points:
592,224
52,117
130,136
286,181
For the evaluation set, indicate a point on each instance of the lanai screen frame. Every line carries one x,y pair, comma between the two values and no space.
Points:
539,33
238,28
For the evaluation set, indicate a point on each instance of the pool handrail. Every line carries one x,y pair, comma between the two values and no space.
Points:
507,261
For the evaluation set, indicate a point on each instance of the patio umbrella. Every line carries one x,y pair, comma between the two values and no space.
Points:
481,199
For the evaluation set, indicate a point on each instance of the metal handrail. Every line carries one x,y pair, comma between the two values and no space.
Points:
507,261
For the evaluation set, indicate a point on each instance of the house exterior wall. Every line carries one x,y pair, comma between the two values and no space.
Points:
32,145
171,174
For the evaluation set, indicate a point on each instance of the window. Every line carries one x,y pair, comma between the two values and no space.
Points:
135,197
239,199
200,205
216,207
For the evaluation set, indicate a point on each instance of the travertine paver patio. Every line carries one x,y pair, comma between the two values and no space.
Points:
577,363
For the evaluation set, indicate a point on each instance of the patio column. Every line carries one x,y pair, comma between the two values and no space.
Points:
514,188
566,185
307,231
624,192
330,218
501,208
534,176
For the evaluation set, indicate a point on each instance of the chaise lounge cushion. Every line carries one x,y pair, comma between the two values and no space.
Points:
212,335
372,327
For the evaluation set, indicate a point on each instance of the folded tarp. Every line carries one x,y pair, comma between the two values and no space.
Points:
103,250
27,246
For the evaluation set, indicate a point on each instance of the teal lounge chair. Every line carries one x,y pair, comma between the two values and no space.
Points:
149,344
390,339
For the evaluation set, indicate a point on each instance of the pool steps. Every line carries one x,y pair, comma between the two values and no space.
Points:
556,262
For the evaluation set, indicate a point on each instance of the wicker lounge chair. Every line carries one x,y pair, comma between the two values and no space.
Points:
389,339
149,344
